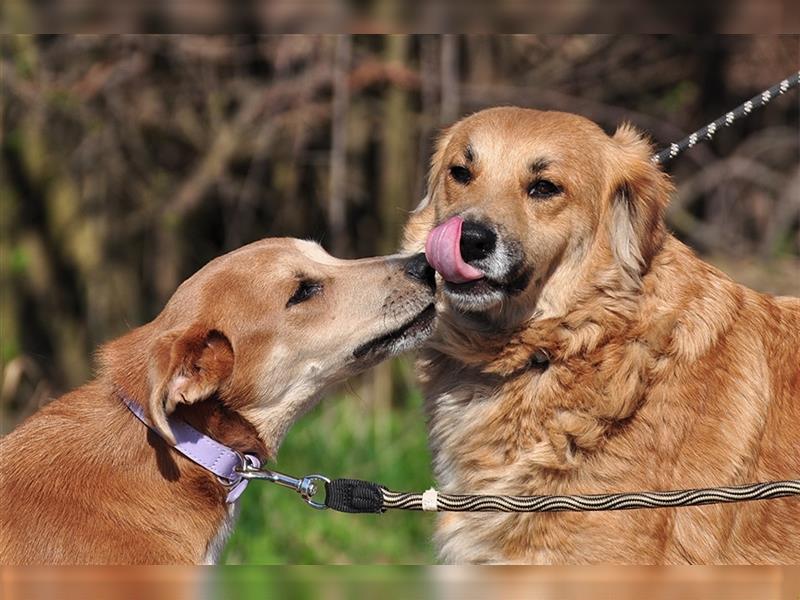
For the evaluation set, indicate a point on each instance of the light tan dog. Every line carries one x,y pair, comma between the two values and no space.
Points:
243,349
583,349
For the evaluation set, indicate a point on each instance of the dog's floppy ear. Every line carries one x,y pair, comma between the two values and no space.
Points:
641,194
186,366
423,218
419,224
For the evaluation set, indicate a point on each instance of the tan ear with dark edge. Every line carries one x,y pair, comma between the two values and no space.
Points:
186,366
419,224
641,196
423,218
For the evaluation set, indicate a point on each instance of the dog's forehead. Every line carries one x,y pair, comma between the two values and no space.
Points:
275,253
313,252
516,133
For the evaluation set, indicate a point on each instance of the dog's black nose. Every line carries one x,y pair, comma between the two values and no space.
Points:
477,241
418,268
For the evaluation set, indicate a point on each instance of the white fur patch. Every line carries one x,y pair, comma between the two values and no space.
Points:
217,543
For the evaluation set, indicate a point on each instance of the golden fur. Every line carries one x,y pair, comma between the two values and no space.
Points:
84,481
663,373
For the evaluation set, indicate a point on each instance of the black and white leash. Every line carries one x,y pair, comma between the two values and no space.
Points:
357,496
436,502
707,132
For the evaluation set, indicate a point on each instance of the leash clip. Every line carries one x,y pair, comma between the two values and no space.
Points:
307,486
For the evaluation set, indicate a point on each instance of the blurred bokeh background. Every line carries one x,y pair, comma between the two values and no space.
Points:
130,161
399,16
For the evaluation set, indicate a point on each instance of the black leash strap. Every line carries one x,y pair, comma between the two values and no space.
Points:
707,132
355,496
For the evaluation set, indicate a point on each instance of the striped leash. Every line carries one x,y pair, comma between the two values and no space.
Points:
707,132
358,496
435,502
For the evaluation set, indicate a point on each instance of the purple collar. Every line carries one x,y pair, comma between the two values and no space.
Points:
216,458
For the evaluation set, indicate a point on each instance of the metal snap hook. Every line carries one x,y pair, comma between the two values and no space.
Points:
307,486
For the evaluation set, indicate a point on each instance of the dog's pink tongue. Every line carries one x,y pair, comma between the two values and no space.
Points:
443,251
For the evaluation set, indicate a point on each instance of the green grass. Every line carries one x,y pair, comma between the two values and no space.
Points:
343,437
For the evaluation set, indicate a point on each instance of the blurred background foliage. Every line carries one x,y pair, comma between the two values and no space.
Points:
130,161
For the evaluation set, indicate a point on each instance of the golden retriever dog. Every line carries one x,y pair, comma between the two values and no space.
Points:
583,349
242,349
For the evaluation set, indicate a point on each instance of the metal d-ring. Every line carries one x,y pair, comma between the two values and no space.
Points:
308,484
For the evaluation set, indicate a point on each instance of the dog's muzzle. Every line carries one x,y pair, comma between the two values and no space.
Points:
478,266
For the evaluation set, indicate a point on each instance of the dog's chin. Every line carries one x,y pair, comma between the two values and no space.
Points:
474,296
486,294
406,337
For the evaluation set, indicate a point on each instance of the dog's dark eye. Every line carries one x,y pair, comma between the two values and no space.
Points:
542,188
461,174
305,289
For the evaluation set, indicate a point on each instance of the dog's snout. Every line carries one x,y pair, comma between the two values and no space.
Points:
477,241
418,268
